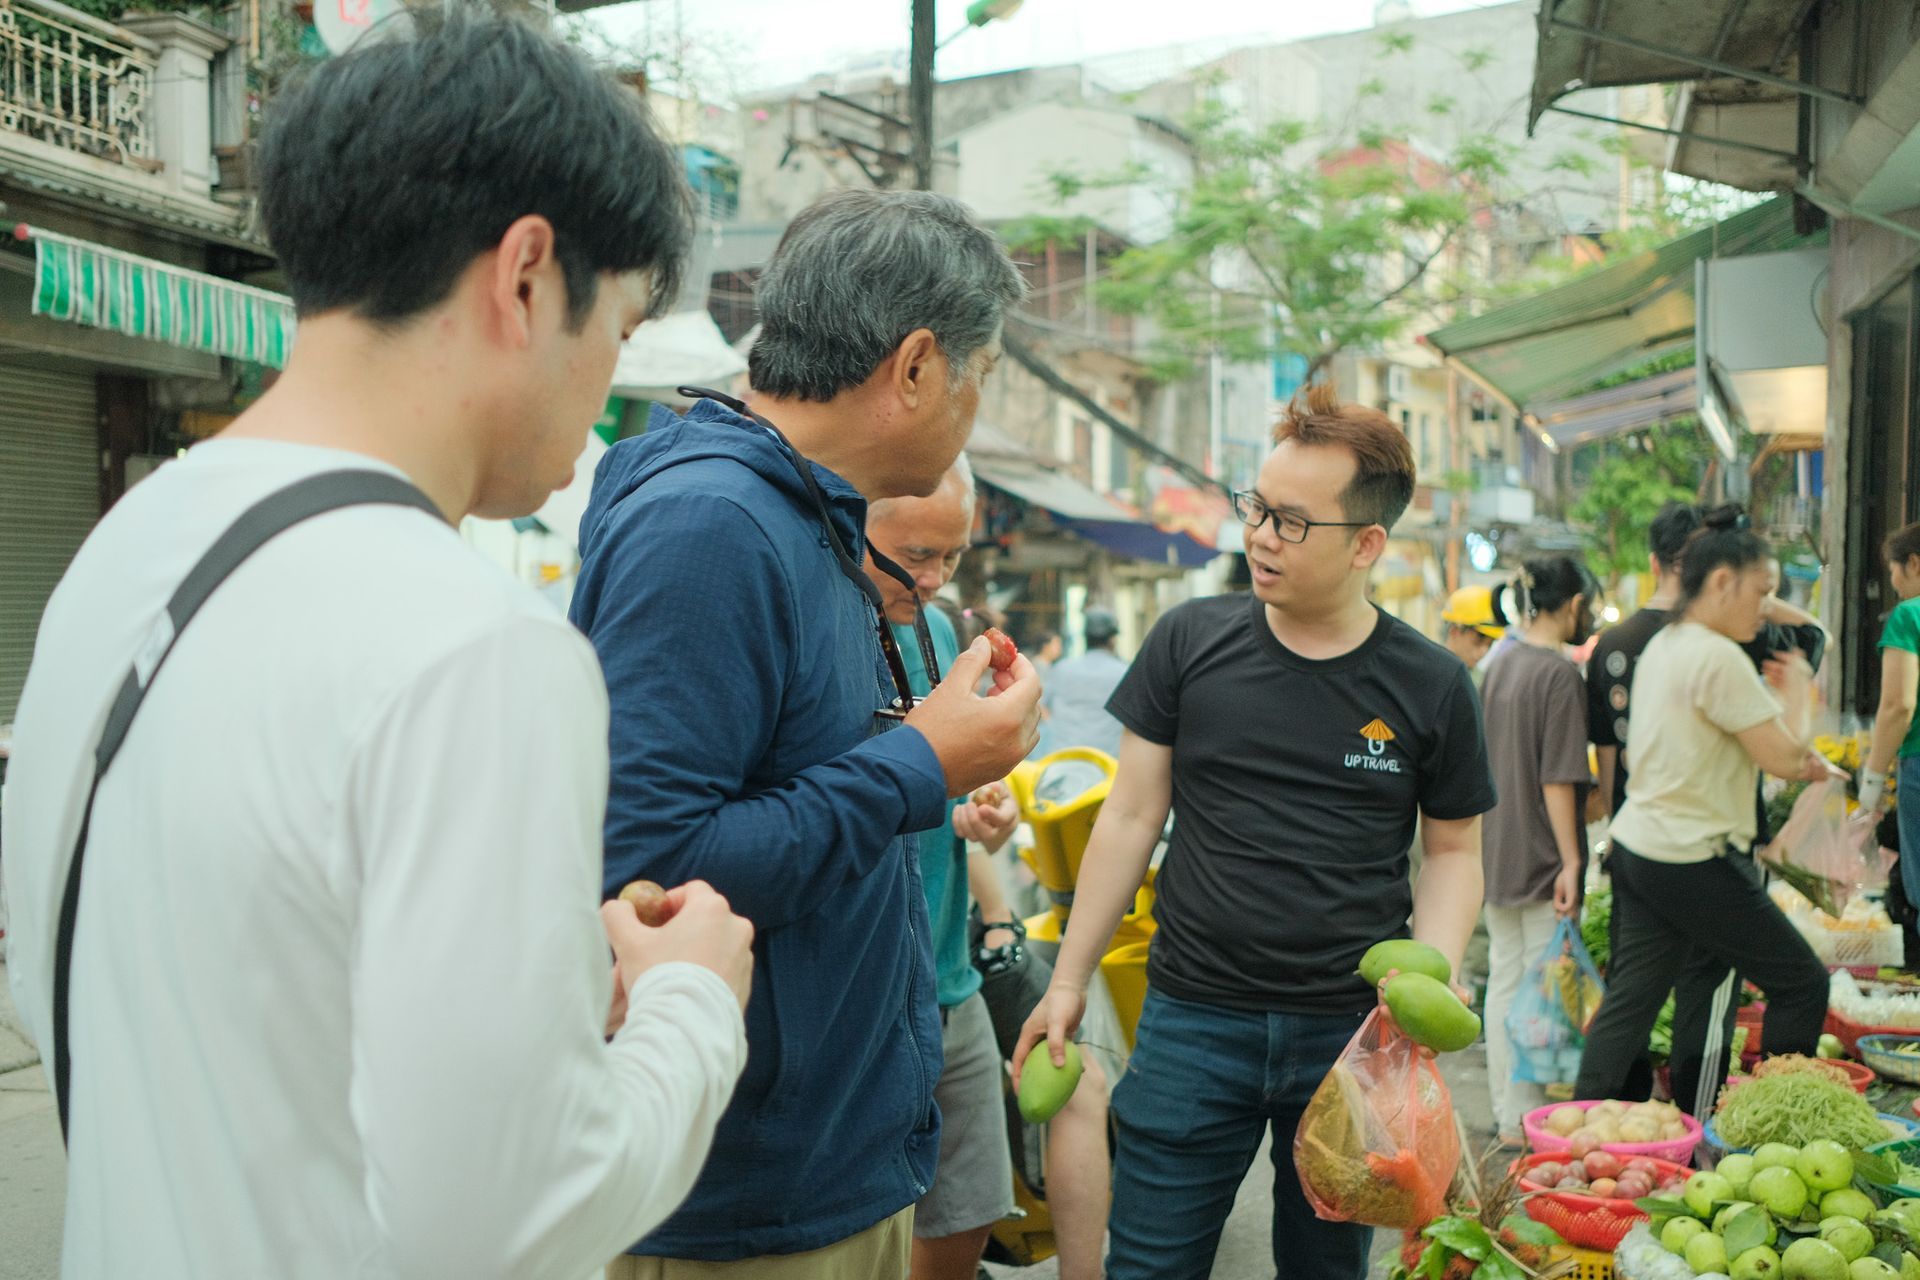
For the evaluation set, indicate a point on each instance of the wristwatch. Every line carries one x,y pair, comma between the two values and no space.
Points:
992,961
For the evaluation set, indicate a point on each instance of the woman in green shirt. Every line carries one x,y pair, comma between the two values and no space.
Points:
1894,729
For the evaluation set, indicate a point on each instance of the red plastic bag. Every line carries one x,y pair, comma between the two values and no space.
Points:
1378,1144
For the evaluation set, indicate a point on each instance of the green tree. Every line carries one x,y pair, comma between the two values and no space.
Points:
1627,488
1289,239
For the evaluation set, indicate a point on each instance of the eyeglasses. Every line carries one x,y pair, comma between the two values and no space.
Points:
1291,528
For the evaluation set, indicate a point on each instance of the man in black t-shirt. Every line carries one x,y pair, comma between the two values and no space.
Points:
1297,735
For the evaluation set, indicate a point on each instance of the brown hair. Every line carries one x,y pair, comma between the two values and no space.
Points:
1382,483
1903,544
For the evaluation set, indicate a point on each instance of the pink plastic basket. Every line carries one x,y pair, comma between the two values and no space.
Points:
1679,1150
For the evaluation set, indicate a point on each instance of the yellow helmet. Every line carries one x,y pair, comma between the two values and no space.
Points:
1474,607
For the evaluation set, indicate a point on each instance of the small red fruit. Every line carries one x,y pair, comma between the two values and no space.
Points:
1004,649
1602,1164
1604,1188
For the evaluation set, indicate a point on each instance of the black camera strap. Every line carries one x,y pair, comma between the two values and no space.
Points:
849,567
258,525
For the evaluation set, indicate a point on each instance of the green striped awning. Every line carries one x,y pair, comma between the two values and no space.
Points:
91,284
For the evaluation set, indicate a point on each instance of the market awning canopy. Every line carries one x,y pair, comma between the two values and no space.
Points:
1737,117
1557,343
1083,511
1598,44
682,349
107,288
1627,407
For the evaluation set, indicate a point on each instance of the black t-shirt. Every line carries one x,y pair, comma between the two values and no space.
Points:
1610,677
1296,785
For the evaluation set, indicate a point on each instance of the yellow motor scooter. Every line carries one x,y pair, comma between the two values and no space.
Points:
1060,796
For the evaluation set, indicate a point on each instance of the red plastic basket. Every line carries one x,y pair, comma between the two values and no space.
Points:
1752,1017
1859,1075
1678,1150
1848,1032
1587,1222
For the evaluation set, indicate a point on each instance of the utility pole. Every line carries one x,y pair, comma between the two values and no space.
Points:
920,94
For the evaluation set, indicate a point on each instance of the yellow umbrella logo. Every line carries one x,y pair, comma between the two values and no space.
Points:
1377,735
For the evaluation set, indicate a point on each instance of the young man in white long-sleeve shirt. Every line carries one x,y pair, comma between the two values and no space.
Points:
340,983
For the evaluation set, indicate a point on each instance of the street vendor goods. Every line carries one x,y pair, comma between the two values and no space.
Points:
1427,1010
1406,956
649,902
1783,1212
1796,1107
1045,1088
1889,1006
1377,1143
1657,1129
1004,649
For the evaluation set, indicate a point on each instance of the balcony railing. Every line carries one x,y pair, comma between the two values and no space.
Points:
69,79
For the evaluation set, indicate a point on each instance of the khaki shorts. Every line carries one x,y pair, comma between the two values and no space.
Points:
881,1252
973,1183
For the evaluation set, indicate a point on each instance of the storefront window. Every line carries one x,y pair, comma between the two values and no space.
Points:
1880,476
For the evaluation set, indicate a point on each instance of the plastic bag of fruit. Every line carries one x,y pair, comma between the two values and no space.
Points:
1377,1143
1557,1002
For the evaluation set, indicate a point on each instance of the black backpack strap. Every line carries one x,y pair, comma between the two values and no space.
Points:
260,524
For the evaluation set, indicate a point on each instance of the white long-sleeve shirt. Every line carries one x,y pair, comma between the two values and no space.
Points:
340,981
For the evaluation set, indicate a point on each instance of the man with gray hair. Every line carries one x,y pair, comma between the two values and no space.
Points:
765,737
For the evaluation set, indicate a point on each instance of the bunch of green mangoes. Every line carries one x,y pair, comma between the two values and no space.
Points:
1413,978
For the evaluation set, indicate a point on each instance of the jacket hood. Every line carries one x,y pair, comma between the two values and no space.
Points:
708,430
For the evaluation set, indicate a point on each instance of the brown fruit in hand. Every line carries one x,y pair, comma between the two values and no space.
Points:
649,902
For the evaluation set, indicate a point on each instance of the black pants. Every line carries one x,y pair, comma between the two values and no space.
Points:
1698,929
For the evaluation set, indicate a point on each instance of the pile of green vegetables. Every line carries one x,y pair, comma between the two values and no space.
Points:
1796,1108
1594,925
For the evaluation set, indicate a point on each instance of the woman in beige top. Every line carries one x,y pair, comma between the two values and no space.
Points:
1690,906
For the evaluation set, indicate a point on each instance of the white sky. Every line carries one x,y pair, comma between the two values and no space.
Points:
777,42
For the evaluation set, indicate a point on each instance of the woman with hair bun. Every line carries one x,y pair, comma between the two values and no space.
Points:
1688,898
1533,846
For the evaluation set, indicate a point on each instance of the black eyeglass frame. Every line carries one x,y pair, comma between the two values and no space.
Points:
1242,498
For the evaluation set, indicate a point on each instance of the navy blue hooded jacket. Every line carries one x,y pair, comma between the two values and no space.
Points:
744,670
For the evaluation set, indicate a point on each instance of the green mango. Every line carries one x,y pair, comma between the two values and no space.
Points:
1045,1088
1428,1011
1407,956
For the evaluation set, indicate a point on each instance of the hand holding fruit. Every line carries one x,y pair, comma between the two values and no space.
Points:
1053,1020
698,928
989,816
979,740
1413,979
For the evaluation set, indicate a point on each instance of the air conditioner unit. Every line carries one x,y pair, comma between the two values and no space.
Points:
1399,383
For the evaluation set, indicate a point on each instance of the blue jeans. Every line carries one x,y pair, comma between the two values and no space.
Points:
1908,795
1202,1087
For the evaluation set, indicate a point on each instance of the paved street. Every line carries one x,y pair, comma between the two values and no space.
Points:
1246,1248
31,1167
31,1164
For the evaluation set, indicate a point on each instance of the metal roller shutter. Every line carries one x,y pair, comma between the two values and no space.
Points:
49,502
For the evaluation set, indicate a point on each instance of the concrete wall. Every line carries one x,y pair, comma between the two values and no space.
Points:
1007,163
